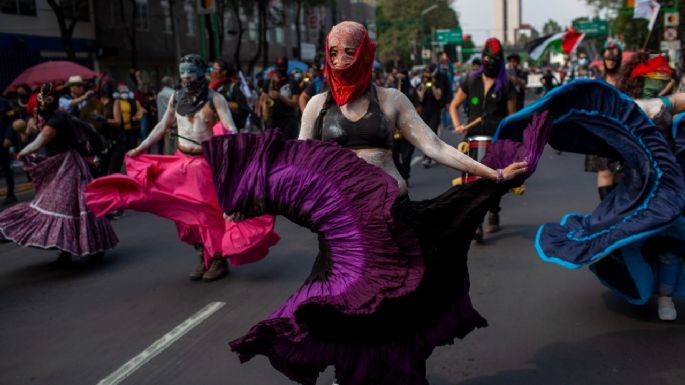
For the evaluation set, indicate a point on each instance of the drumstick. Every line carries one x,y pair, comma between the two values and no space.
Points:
475,121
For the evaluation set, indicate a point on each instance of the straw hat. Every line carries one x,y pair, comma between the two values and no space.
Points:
74,80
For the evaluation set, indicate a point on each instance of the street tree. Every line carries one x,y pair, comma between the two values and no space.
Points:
551,27
402,26
67,13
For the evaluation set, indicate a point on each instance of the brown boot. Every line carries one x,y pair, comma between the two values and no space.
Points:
199,270
217,269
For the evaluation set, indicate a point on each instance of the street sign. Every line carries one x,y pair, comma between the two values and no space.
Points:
670,34
448,36
594,28
670,45
671,19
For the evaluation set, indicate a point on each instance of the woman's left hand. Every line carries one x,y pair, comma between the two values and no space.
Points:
514,169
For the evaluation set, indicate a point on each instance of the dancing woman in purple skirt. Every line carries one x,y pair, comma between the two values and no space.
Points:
57,218
390,282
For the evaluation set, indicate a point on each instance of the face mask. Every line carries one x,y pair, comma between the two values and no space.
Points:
491,68
582,61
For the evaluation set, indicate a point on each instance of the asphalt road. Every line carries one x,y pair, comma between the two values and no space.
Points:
548,325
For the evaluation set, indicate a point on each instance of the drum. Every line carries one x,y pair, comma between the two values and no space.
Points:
478,146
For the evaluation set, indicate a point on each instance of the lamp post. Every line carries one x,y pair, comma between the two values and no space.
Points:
424,13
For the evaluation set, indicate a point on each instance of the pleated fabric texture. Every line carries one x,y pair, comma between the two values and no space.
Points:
390,282
592,117
179,187
57,217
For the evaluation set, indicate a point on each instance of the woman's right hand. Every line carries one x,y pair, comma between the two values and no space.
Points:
460,129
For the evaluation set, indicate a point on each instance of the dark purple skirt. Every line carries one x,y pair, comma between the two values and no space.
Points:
390,282
57,217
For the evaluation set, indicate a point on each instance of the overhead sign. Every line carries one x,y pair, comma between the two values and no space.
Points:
670,45
670,34
671,19
594,28
449,36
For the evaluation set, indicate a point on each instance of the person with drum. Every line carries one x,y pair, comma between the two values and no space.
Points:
490,97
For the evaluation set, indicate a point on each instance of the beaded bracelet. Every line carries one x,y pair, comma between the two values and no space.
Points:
500,175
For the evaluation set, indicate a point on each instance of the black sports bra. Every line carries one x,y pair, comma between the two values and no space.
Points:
371,131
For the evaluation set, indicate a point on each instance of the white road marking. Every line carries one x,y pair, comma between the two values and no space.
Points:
158,346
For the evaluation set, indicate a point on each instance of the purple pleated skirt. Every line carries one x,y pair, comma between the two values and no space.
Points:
390,282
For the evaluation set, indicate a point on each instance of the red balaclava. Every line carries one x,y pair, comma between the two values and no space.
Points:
350,76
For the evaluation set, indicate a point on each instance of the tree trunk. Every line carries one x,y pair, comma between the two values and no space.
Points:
241,31
174,30
209,28
265,42
260,28
133,36
298,29
66,31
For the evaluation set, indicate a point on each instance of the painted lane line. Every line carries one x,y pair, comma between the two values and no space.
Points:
158,346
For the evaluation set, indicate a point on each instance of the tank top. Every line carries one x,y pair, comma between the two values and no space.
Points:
371,131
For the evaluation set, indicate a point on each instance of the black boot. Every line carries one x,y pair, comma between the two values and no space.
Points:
604,191
478,236
493,223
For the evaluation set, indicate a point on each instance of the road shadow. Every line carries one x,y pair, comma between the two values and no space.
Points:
634,357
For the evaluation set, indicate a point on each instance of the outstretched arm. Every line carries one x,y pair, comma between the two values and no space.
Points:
420,135
45,136
224,113
158,132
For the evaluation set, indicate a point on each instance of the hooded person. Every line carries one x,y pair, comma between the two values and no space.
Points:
57,217
608,170
490,97
612,59
179,187
390,282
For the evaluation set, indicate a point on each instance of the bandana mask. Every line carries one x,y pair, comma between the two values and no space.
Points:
194,94
493,51
350,77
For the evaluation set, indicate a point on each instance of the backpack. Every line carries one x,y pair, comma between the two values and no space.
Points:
87,140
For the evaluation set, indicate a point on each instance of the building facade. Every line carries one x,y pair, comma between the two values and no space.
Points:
506,20
167,29
30,34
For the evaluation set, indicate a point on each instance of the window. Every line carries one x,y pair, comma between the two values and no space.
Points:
252,31
142,15
166,14
189,8
18,7
77,9
280,35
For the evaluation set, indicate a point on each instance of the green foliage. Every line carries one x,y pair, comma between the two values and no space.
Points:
401,25
551,27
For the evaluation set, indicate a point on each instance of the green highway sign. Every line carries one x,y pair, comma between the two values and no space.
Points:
449,36
594,28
